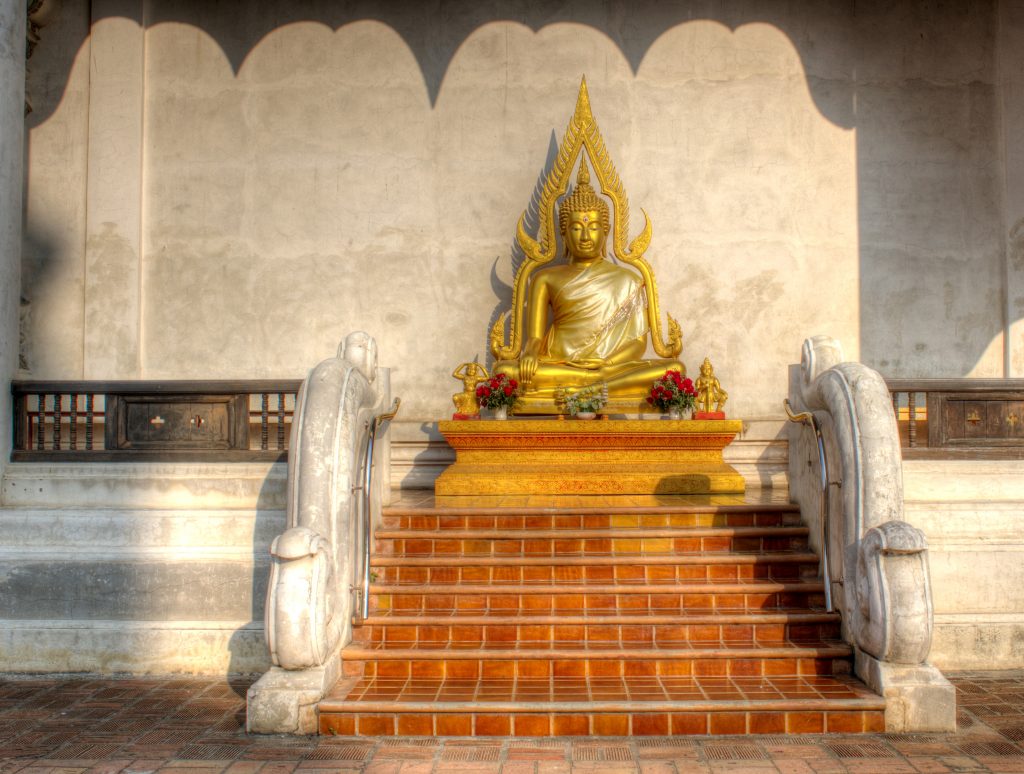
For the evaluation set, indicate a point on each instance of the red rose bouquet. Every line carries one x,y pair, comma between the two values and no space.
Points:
672,391
497,392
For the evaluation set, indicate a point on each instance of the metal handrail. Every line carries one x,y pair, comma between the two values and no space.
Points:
807,418
363,591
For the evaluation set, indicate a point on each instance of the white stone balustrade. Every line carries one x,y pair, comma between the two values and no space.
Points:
309,601
878,562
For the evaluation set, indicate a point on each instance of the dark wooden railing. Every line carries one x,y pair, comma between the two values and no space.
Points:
959,418
82,421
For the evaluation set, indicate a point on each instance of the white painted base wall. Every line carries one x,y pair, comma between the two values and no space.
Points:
139,568
973,515
162,568
133,647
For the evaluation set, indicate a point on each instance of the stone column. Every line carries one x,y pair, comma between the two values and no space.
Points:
12,145
1010,74
113,248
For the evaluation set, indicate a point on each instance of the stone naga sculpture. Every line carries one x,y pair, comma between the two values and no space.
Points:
879,560
893,606
309,604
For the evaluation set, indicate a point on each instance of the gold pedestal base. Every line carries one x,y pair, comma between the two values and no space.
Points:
631,456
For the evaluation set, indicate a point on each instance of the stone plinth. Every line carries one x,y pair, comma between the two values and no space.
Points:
540,456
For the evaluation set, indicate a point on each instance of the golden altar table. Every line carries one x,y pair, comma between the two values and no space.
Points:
613,457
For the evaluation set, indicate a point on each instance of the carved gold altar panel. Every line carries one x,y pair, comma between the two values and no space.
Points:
542,456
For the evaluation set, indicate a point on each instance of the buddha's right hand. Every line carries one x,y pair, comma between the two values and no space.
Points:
528,362
527,368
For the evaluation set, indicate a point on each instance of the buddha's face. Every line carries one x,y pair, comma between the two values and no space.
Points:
584,236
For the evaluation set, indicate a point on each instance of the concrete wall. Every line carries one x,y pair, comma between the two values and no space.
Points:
156,568
972,513
226,189
12,101
53,254
1010,65
224,192
930,201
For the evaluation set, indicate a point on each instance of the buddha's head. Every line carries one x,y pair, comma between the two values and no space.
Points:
705,367
583,219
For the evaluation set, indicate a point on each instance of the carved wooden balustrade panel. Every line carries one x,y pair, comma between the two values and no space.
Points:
959,418
81,421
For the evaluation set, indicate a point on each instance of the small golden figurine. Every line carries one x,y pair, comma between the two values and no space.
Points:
466,406
709,394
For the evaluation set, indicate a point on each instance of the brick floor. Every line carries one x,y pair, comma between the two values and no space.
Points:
196,726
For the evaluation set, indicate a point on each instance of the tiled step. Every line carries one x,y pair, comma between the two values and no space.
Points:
429,519
599,543
651,541
667,597
507,660
695,559
396,630
600,706
624,568
595,615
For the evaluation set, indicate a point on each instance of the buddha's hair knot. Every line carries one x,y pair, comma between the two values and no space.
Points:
583,199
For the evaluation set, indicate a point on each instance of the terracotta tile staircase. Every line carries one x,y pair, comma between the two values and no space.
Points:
597,616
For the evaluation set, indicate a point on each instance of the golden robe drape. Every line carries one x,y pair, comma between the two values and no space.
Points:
595,313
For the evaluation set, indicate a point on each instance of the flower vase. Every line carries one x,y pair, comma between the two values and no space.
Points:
678,413
585,414
501,412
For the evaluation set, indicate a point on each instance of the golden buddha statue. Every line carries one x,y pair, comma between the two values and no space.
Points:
470,374
601,313
711,397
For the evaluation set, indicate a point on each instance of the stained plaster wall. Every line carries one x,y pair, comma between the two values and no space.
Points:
1010,68
12,100
225,190
220,191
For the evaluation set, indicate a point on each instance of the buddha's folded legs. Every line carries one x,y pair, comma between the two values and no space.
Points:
633,378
